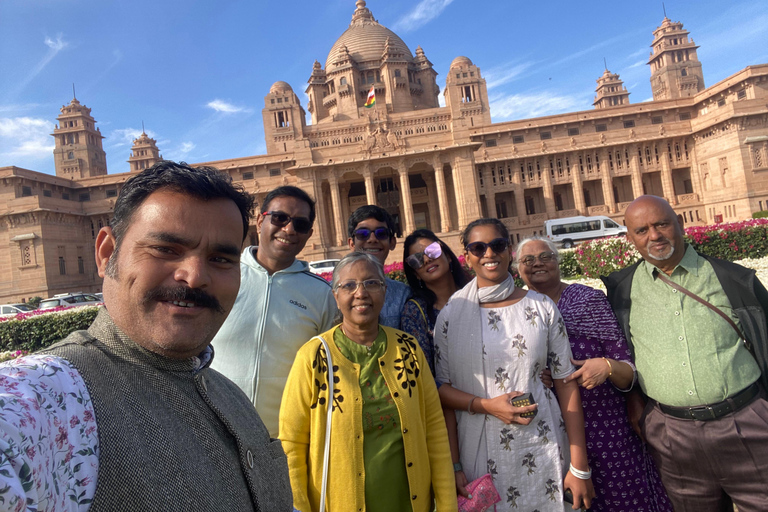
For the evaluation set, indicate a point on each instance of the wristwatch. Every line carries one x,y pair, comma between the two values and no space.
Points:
457,467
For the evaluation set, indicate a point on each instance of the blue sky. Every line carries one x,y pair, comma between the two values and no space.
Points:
197,72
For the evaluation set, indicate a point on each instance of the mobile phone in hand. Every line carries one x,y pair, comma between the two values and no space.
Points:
523,401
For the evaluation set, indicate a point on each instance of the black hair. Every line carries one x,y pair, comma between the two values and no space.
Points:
460,277
370,211
204,183
500,227
289,191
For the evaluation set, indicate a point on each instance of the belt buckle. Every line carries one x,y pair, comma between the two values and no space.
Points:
702,413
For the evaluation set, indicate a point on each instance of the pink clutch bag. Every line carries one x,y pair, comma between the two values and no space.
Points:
484,495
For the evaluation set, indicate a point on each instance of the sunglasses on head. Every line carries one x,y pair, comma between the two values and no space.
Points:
302,225
380,233
432,251
497,245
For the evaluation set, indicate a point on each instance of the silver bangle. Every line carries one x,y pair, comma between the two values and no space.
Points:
469,407
581,475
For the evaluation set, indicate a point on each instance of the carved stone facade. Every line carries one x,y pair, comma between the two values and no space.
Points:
704,150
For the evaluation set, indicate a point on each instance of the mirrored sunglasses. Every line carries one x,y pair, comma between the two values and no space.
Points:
302,225
364,233
544,257
432,251
497,245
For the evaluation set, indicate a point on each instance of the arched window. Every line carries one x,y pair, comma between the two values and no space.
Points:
71,155
369,77
343,80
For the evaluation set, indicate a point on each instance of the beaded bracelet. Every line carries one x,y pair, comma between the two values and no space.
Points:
581,475
610,366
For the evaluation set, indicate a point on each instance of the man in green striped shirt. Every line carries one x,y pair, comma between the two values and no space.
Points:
707,418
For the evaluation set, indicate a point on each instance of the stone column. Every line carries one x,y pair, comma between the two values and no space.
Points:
338,220
490,193
405,197
442,197
607,181
370,188
432,203
578,187
666,179
465,189
549,192
637,174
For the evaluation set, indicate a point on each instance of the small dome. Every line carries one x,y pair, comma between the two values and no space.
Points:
460,62
280,87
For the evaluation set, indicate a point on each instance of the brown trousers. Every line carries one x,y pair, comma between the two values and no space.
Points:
703,463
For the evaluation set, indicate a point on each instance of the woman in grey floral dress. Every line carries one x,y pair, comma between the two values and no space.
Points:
492,340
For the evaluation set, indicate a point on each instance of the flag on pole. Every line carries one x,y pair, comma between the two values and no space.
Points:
371,100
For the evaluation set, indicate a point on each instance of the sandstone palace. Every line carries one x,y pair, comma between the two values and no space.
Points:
704,149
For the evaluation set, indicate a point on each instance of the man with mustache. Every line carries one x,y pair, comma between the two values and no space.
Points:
281,304
128,415
698,331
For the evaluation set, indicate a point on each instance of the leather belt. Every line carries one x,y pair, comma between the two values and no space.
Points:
713,411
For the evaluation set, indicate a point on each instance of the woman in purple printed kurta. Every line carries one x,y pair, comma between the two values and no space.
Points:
623,473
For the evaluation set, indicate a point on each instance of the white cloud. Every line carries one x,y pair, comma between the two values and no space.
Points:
122,137
54,47
637,64
224,107
638,53
528,105
25,137
501,75
57,45
424,12
186,147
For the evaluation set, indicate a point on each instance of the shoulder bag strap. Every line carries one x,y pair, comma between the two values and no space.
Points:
422,312
695,297
329,402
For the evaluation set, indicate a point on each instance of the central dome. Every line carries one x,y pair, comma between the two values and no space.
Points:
365,39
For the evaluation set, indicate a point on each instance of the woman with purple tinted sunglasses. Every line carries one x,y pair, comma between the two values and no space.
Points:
434,273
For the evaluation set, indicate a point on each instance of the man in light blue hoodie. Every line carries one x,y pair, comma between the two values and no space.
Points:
280,306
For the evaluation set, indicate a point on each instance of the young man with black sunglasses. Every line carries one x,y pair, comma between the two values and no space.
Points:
281,305
371,230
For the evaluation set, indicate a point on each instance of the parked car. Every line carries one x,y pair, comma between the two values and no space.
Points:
322,266
570,230
14,309
70,299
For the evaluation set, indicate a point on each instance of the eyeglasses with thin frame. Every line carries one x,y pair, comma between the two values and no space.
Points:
544,257
302,225
432,251
363,234
370,285
497,245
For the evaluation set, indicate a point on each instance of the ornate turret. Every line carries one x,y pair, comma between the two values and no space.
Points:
610,91
144,152
78,152
675,69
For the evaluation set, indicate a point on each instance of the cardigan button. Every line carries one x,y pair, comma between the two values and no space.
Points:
410,464
396,394
413,497
249,458
405,431
382,363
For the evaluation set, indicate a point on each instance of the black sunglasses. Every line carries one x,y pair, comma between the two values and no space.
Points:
302,225
364,233
497,245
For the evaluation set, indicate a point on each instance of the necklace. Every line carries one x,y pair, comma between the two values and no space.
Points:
368,347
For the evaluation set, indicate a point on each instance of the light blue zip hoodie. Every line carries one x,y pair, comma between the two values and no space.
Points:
272,318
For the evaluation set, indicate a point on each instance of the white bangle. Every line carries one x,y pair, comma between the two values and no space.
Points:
581,475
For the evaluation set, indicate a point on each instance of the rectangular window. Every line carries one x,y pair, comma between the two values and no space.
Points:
65,196
685,116
545,135
274,172
518,139
657,120
601,127
247,175
26,191
741,94
721,102
111,192
84,197
490,143
80,265
629,124
47,193
573,131
62,266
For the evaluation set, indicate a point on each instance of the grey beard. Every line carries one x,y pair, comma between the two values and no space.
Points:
663,258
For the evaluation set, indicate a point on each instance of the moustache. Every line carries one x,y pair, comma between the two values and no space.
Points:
184,294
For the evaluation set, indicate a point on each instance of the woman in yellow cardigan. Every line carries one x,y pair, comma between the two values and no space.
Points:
389,446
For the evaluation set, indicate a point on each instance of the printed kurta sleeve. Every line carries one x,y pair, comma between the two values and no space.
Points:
442,366
559,348
414,323
48,439
294,430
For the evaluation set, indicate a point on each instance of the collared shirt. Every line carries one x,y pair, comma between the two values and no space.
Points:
686,354
394,300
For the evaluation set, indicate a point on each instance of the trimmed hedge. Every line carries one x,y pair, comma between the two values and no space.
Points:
760,215
39,331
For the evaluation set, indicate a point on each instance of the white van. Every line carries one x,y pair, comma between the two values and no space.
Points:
571,230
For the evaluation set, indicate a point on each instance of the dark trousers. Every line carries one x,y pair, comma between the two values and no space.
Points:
703,463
